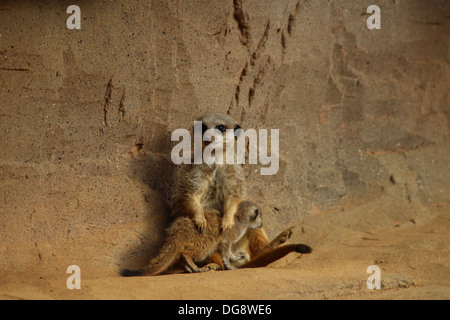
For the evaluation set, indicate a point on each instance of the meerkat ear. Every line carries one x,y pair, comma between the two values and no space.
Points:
256,213
237,131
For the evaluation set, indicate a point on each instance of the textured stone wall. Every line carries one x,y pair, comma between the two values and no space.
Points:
86,115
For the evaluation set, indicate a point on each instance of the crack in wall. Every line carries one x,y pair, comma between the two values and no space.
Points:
106,105
242,19
122,106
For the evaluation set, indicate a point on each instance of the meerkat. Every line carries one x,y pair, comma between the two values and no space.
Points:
203,187
221,188
185,243
207,198
244,222
254,250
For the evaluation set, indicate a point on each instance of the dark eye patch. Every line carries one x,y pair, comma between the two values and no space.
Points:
237,131
222,128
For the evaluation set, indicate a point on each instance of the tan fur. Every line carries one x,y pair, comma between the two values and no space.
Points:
185,243
261,252
202,187
270,256
250,221
221,187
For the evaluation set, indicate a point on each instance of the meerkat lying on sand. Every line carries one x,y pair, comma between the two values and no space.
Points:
185,243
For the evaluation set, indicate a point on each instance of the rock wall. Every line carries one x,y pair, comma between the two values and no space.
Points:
86,115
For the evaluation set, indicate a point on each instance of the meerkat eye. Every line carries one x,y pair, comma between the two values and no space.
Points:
221,128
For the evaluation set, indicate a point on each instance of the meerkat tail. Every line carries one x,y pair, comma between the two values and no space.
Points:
275,254
163,261
131,273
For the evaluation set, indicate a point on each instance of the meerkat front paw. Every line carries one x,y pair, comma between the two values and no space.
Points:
200,223
227,225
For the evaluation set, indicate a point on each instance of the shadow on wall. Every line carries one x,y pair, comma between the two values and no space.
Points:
154,171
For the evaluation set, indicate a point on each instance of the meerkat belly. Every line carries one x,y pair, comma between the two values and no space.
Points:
215,197
201,245
200,250
223,185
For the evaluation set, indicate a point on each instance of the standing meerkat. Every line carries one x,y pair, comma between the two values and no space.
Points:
202,187
185,243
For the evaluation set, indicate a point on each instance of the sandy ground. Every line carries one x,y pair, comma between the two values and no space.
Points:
86,118
413,257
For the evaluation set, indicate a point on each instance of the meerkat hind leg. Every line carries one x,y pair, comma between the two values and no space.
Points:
212,266
186,268
227,264
280,239
227,252
227,255
191,267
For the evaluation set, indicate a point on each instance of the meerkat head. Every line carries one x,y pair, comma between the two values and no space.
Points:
249,213
219,122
